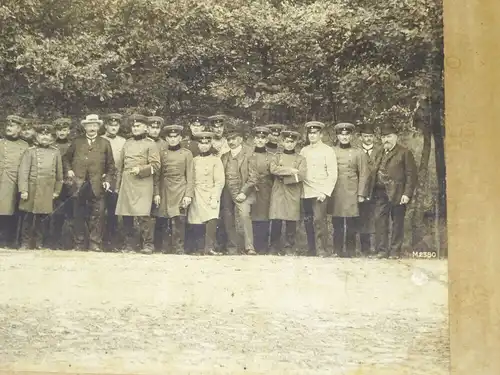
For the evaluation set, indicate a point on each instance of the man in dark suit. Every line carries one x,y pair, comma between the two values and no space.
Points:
238,194
394,178
89,163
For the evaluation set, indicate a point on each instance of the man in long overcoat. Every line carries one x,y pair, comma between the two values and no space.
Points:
395,178
289,169
207,188
137,184
273,141
366,223
317,187
40,181
350,190
176,185
90,165
12,148
260,163
239,192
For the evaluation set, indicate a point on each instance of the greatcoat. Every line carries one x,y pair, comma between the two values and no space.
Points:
260,163
10,158
41,175
136,191
176,180
352,178
208,182
287,188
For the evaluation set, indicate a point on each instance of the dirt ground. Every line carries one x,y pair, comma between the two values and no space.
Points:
129,313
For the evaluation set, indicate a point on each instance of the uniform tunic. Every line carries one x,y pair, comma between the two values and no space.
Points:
176,180
352,181
41,175
287,188
136,192
10,158
117,144
321,170
208,183
191,145
260,162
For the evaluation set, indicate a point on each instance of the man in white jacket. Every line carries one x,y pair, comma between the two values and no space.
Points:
320,180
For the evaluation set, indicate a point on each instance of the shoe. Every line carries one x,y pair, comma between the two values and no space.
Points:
250,252
381,255
96,249
211,252
147,250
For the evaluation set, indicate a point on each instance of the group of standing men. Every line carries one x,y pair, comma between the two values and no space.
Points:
207,193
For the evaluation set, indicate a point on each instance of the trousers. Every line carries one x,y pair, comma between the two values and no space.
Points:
315,222
261,236
237,211
143,237
344,236
88,215
36,227
277,245
385,211
110,235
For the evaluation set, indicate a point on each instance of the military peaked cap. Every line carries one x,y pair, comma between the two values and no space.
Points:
45,129
156,120
276,129
172,130
16,119
217,120
204,137
261,130
114,117
137,118
63,122
344,127
290,135
314,126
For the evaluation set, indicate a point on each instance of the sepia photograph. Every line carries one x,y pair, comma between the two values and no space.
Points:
223,187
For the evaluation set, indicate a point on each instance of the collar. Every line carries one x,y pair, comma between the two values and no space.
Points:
139,137
236,151
393,147
42,146
174,148
317,144
61,141
260,150
289,152
272,145
110,136
208,153
91,138
341,145
367,147
11,138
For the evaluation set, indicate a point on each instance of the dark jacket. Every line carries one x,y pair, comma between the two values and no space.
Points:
248,175
401,171
94,161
